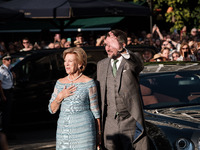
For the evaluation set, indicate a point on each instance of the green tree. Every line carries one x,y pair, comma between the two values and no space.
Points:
180,13
183,12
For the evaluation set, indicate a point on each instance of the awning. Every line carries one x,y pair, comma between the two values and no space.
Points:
94,23
74,8
86,24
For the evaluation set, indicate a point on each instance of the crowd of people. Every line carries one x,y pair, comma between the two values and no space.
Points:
173,47
183,46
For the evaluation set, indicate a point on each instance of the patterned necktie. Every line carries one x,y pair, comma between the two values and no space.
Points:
115,68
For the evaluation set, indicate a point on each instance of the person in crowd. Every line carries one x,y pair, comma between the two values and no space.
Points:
193,51
92,41
198,55
193,34
136,41
51,46
185,53
11,48
62,42
158,58
18,45
175,55
147,55
165,53
183,33
6,91
157,45
76,94
57,45
129,41
148,42
67,44
36,46
156,32
2,52
78,44
100,40
167,44
57,38
122,114
43,44
80,40
27,45
3,45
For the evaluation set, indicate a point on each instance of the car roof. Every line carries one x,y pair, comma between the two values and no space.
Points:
164,67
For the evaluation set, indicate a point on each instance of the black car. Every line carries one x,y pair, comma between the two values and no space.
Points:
171,98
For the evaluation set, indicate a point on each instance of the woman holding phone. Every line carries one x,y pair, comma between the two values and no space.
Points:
185,53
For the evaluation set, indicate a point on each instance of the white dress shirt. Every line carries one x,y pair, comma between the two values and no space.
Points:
125,55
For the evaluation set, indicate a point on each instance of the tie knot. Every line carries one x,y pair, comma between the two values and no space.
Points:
115,61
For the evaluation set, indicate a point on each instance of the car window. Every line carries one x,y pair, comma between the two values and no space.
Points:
171,88
40,69
37,69
59,61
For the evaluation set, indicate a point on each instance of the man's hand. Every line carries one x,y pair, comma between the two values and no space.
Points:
112,39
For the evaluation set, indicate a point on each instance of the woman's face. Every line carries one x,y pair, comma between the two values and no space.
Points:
71,64
175,56
184,49
165,53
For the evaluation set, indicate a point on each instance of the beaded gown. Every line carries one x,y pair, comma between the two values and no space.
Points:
76,123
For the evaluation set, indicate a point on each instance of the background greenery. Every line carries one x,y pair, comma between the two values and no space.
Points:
175,13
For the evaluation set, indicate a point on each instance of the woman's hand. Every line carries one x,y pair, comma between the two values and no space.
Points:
98,141
66,92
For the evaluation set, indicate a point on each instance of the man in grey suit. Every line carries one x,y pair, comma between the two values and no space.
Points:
122,115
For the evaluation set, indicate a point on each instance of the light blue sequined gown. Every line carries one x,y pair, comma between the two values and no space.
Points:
76,124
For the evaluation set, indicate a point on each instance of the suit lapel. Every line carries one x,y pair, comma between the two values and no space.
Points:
104,71
103,76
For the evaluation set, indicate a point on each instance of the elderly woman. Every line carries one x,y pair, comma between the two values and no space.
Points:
76,94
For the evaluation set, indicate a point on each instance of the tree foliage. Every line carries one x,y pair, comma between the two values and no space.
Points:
180,13
183,12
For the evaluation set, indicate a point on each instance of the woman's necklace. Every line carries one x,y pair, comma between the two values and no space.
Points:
74,78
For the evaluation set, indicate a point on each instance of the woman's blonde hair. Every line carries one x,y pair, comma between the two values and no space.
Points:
80,55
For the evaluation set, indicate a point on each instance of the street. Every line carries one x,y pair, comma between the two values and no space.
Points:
33,139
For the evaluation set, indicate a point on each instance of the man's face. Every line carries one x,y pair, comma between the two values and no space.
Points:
111,48
147,55
26,43
7,62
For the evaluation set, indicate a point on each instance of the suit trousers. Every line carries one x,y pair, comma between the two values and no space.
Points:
119,132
